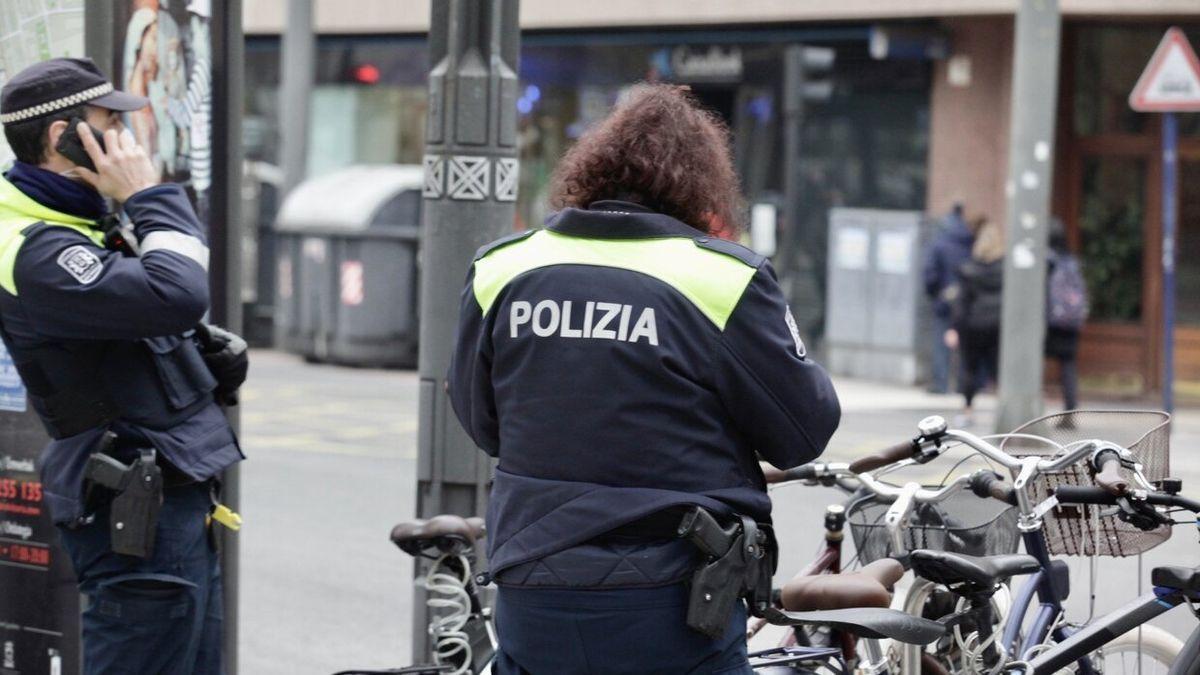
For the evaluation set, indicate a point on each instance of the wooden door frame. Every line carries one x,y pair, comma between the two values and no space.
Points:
1073,152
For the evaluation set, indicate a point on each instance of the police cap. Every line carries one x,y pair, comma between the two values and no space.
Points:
57,84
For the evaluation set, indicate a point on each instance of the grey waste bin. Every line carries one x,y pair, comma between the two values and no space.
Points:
346,267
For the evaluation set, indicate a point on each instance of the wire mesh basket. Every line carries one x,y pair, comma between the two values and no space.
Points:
962,523
1077,529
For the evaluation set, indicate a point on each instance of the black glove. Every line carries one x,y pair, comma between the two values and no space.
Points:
226,357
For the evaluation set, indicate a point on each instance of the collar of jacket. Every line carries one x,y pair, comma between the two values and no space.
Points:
56,192
16,204
612,219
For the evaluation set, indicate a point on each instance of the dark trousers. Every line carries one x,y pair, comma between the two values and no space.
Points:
1068,375
941,356
1062,344
559,632
981,359
160,615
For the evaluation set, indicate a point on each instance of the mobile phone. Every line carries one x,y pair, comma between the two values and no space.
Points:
71,146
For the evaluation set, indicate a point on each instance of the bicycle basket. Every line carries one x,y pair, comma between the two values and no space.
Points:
962,523
1072,530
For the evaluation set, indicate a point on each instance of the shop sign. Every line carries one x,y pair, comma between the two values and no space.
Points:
714,63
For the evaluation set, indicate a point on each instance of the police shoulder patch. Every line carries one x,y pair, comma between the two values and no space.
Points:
81,263
731,249
502,242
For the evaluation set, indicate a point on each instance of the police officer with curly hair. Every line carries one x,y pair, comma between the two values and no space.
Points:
108,342
628,369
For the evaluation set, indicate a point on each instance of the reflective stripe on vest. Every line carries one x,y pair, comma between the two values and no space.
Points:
17,212
713,282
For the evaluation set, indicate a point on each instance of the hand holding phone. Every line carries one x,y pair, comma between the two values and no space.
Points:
122,167
70,145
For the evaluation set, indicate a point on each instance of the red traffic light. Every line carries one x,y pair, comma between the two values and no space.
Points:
366,73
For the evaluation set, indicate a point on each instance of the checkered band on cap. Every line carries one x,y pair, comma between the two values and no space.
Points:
57,104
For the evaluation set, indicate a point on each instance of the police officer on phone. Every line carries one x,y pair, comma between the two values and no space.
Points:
105,332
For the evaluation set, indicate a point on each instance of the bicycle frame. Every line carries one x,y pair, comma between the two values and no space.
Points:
1050,608
1091,637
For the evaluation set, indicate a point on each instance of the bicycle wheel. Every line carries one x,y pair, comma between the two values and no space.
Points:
1154,654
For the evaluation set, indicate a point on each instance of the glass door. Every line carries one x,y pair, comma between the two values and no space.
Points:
1187,279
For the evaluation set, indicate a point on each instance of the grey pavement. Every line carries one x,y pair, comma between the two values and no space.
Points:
332,462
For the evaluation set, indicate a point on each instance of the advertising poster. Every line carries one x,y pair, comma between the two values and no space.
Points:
162,49
39,602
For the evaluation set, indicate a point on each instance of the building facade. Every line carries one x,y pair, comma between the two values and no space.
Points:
916,118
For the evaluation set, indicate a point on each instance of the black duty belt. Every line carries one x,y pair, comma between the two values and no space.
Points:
739,559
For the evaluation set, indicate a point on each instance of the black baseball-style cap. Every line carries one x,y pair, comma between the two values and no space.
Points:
49,86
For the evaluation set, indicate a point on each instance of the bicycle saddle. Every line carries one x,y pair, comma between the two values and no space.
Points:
867,587
868,622
442,532
977,574
1180,578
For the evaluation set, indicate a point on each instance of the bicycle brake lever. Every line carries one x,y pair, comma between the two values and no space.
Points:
1142,516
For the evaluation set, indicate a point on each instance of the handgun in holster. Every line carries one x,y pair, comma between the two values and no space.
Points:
739,562
138,489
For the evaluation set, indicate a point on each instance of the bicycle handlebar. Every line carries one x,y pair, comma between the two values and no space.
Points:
885,491
889,492
882,458
774,476
1082,494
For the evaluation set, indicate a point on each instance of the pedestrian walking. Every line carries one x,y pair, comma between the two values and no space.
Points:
976,313
625,367
123,377
950,248
1066,311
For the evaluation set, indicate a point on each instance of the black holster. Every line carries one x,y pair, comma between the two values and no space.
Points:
137,497
739,562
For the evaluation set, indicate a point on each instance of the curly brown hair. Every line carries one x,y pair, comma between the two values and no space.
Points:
658,148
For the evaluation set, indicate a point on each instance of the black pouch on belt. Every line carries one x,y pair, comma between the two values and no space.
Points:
139,492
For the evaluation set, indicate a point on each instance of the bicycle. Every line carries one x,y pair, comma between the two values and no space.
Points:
464,638
1047,527
1173,586
887,521
460,624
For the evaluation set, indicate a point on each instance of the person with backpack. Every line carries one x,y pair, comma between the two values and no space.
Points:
1066,311
976,313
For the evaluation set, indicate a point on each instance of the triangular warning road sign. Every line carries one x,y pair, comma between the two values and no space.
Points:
1171,81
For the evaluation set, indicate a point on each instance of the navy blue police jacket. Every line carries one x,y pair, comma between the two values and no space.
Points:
619,362
83,321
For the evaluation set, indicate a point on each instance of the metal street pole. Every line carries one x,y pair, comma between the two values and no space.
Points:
299,45
470,199
1170,184
793,128
1030,172
225,241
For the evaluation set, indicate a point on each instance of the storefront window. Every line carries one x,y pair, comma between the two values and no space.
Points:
864,146
1112,209
368,103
